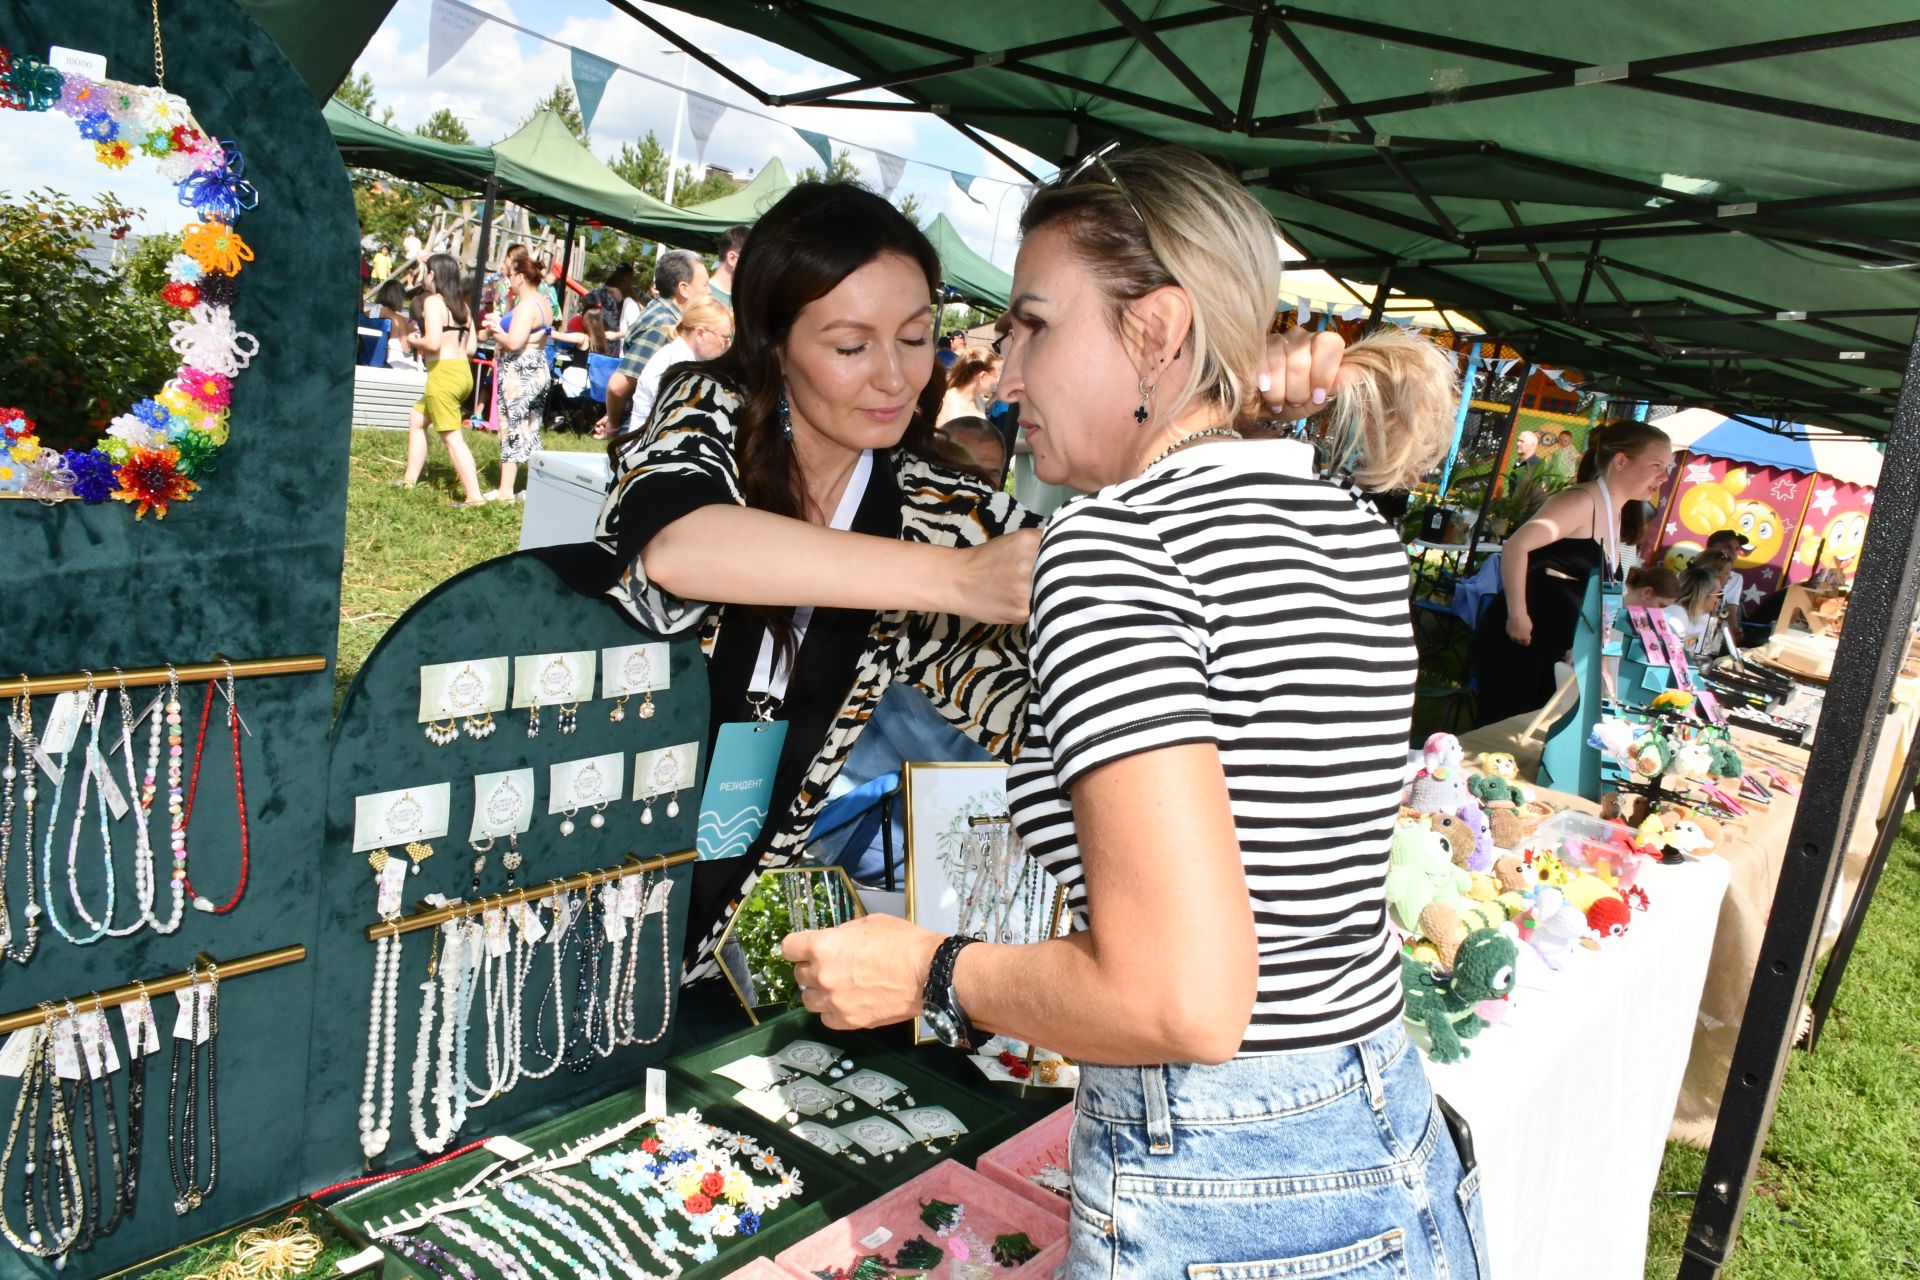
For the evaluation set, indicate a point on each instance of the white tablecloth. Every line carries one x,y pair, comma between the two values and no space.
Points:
1571,1097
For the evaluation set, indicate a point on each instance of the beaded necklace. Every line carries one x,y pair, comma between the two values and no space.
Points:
556,991
426,1253
176,802
383,1016
495,1255
667,974
19,732
239,792
453,969
90,754
183,1123
593,1254
38,1082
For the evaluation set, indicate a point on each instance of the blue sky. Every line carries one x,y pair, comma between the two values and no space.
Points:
498,75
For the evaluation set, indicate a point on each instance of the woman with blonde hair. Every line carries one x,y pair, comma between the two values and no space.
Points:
1697,602
1223,673
521,337
705,331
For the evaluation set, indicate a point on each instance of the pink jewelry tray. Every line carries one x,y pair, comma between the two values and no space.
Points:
887,1224
1013,1162
762,1269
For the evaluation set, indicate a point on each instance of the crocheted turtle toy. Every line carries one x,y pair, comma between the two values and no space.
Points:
1443,1002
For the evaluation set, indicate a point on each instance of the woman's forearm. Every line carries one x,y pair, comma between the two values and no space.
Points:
1513,578
737,555
1056,994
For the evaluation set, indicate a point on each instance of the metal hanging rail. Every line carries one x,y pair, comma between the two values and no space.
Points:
238,968
436,916
191,673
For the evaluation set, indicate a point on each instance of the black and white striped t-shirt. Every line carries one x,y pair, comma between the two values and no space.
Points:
1226,596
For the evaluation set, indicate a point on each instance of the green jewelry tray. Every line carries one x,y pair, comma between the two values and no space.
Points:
985,1112
825,1196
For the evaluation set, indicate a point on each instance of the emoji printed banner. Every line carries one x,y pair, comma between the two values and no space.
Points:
1763,503
1833,529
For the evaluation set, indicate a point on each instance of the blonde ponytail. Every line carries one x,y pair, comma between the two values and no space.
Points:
1393,425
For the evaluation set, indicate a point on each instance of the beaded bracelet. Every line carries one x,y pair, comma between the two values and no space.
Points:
493,1254
508,1228
563,1222
426,1253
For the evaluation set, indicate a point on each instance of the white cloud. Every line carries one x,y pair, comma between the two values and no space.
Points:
493,82
44,149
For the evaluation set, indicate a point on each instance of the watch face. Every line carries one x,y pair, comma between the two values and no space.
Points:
943,1026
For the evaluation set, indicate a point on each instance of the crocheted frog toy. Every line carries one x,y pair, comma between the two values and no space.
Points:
1443,1002
1420,870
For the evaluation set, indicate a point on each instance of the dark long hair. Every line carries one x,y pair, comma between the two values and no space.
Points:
801,249
444,277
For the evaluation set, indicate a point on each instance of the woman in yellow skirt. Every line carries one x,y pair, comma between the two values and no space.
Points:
446,342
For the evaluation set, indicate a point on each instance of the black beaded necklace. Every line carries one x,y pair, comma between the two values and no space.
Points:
183,1123
579,1051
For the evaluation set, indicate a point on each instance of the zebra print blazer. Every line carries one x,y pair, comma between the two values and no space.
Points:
974,674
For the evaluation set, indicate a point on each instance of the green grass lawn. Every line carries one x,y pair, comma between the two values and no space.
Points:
401,543
1838,1193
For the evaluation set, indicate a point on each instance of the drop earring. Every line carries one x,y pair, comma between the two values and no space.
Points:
619,711
533,721
566,823
480,726
1141,414
646,813
511,858
569,717
599,818
646,705
442,732
417,853
786,418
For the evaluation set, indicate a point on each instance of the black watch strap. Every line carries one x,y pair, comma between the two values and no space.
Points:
939,995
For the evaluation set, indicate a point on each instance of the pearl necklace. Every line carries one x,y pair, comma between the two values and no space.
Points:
382,1017
87,759
557,989
176,802
1224,433
140,800
667,975
23,717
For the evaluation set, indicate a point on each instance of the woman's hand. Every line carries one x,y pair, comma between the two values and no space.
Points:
1519,628
1302,370
994,582
866,973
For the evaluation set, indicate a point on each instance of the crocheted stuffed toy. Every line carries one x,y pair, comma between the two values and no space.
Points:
1420,870
1443,1002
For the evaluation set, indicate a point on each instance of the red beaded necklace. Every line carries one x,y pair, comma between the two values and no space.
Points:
239,791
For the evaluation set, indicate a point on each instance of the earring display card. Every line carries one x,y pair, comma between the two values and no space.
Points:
502,804
633,669
873,1087
820,1136
810,1098
449,690
664,771
929,1123
388,818
876,1136
752,1072
584,783
553,679
809,1056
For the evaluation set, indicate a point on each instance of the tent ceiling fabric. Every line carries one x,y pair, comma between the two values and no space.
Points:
1644,190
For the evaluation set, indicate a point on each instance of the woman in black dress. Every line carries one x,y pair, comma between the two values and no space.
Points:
1546,563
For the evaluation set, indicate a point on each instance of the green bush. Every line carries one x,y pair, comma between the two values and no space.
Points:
83,343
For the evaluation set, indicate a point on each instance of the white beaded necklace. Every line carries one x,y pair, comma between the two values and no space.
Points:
90,714
383,1016
667,974
555,933
448,980
140,801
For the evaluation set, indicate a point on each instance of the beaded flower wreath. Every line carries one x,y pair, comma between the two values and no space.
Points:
163,447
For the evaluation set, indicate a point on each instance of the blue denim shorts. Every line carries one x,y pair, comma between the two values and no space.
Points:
1335,1165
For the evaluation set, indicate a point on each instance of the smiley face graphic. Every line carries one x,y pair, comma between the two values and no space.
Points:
1761,525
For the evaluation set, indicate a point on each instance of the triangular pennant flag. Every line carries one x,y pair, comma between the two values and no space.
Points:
963,181
1303,311
891,167
590,76
702,114
822,146
1354,312
449,27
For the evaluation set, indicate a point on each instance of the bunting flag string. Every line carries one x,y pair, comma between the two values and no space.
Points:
590,76
449,27
452,23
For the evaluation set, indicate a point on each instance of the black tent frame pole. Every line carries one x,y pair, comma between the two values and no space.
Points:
1493,476
481,246
1870,653
1836,970
1382,287
566,260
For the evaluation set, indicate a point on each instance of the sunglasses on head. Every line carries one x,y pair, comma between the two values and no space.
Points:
1100,158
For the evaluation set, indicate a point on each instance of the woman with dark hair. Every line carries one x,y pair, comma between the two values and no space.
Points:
446,341
1545,565
390,304
521,334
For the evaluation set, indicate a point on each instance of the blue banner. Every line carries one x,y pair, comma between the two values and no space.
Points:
590,76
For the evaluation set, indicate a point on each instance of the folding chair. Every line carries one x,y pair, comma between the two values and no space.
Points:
1451,623
373,337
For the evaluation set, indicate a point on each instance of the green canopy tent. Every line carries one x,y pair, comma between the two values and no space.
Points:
368,144
966,272
747,204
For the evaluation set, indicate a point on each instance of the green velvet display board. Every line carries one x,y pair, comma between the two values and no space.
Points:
512,606
249,568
